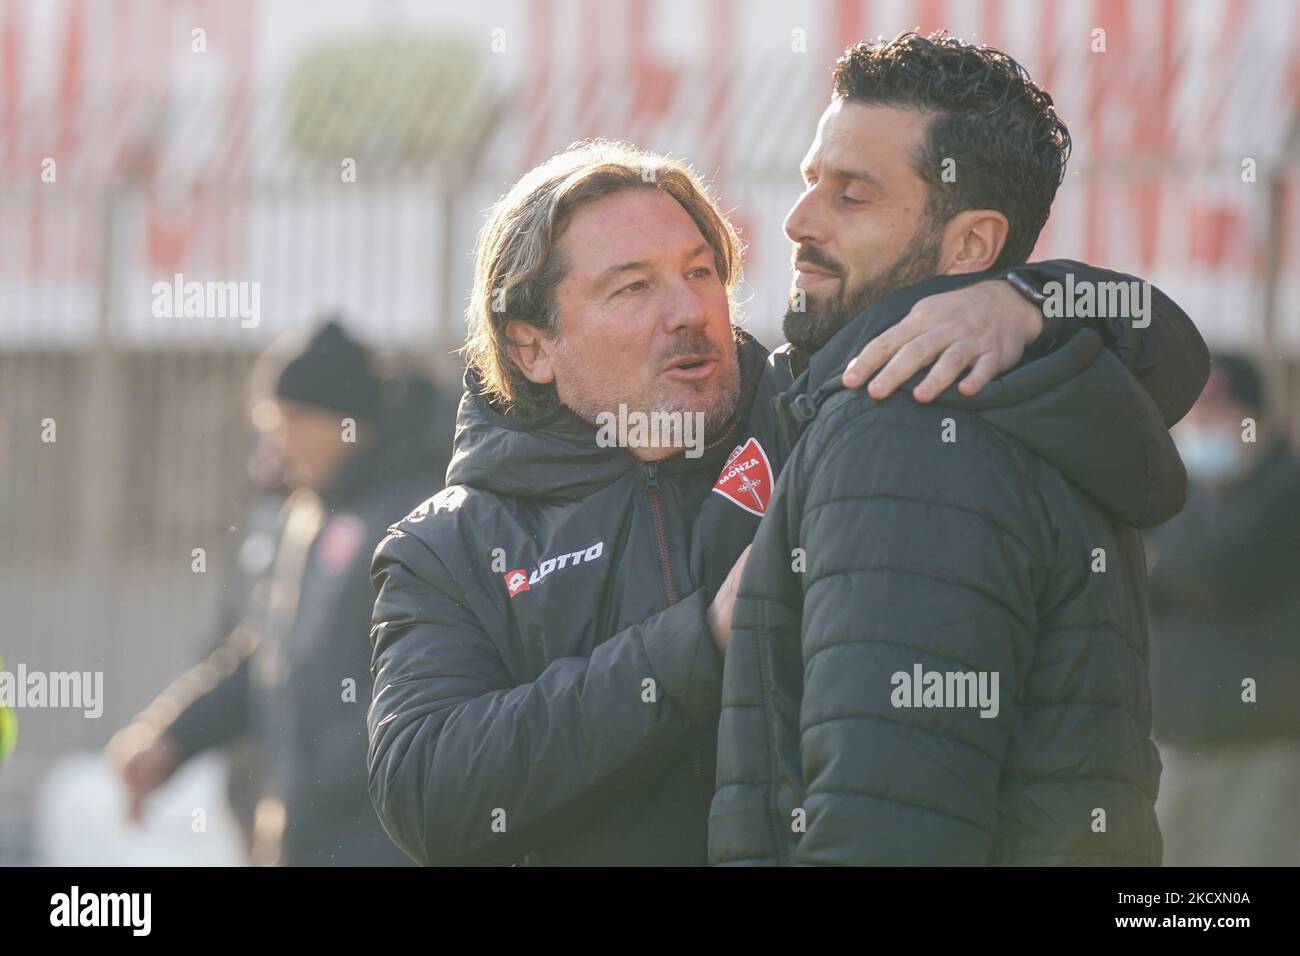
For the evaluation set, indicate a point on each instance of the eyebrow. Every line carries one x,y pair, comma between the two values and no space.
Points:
622,267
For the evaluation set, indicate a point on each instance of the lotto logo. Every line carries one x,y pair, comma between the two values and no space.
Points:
519,580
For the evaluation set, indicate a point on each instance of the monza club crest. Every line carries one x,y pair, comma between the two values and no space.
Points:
746,478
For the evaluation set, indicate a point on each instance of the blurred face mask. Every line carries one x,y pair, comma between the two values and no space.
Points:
1210,454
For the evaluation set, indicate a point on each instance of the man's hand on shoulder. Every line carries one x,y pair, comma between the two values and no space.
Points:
983,327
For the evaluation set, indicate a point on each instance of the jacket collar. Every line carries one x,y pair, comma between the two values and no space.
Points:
1077,407
820,378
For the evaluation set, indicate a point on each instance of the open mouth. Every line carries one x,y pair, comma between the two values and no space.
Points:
691,368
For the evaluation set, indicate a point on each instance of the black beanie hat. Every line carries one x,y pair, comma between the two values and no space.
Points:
332,371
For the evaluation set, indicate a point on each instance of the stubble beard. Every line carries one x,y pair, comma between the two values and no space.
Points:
808,330
660,397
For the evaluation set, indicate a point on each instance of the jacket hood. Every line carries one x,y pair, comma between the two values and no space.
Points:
410,441
555,455
1078,408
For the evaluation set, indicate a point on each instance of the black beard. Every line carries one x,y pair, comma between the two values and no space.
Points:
812,328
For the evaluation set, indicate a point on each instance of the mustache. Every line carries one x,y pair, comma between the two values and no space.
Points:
689,343
813,256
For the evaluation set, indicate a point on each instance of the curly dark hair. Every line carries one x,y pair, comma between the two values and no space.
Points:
1009,146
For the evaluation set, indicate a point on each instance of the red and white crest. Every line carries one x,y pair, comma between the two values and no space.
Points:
516,581
746,478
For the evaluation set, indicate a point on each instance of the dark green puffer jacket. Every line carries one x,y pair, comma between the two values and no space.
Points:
546,689
963,536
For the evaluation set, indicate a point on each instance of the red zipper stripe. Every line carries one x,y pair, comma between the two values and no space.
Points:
664,560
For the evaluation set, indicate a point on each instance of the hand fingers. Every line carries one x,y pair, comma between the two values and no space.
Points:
130,773
133,805
877,352
923,317
909,360
944,372
986,369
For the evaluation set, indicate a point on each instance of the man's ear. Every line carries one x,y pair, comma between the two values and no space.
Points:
531,351
973,240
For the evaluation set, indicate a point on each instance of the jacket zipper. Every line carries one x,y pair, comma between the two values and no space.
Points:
666,562
656,506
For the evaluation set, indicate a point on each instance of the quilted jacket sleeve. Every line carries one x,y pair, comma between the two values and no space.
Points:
1163,350
887,780
467,765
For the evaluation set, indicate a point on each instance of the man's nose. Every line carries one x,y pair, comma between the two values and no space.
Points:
803,223
685,307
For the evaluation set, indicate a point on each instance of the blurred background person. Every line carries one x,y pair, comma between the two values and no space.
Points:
246,568
359,452
1225,630
249,568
